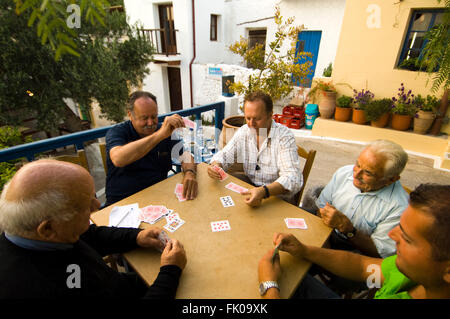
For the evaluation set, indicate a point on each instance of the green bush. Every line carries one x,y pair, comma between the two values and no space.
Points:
344,101
376,108
10,136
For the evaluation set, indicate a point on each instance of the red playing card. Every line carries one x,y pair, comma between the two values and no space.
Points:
220,226
296,223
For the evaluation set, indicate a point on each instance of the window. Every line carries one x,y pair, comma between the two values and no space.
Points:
421,22
256,37
213,27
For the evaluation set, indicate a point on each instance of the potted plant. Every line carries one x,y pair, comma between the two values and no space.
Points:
343,108
377,112
360,101
426,112
403,109
326,92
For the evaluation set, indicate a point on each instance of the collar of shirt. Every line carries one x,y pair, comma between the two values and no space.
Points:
267,140
37,244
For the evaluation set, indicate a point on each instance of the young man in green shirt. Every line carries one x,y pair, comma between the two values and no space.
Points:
419,270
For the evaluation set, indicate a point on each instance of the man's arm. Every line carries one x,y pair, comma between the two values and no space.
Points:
341,263
254,196
189,168
336,219
124,155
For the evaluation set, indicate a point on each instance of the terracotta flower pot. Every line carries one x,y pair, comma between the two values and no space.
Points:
401,122
359,117
327,104
382,121
230,125
342,114
423,121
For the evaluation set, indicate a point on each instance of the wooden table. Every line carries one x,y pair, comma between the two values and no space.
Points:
221,265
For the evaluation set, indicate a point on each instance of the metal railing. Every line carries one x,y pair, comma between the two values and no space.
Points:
163,40
29,150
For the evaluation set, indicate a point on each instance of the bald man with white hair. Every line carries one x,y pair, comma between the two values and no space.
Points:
48,249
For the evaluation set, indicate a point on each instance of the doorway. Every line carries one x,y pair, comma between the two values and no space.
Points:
176,99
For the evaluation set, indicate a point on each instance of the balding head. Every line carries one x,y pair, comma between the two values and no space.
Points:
44,190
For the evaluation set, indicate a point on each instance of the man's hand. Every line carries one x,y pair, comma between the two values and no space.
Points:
290,244
174,254
170,124
254,196
148,238
213,173
268,269
335,219
190,185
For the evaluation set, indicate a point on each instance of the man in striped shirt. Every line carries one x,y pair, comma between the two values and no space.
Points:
267,151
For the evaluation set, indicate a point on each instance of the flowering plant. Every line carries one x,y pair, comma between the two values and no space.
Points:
428,104
361,99
404,103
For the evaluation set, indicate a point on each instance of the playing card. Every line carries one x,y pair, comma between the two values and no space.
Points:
188,123
296,223
179,192
236,188
222,173
227,201
164,238
151,214
174,225
220,226
171,217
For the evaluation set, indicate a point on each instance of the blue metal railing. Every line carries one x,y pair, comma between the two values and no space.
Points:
29,150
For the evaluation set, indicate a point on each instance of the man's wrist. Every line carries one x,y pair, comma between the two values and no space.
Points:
194,172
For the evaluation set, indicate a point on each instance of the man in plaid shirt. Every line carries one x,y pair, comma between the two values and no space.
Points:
267,151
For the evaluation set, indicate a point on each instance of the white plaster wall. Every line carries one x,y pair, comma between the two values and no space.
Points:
234,22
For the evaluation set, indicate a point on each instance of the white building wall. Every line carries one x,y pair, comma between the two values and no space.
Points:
235,20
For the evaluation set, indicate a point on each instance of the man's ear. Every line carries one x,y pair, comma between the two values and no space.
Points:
45,230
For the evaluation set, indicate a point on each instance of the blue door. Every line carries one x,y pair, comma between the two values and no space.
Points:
308,41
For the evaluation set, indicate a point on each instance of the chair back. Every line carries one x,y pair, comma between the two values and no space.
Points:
102,147
309,157
80,159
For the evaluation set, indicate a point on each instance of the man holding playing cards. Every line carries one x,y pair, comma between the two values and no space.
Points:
49,250
419,270
139,151
266,149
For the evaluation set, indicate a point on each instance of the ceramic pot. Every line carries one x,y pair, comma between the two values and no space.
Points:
342,114
382,121
400,122
327,104
359,117
423,121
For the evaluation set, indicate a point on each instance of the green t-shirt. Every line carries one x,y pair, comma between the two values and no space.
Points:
396,285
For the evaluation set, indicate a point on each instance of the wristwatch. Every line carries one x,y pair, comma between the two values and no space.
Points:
351,233
264,286
266,191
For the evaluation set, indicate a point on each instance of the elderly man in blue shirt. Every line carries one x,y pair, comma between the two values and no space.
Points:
363,202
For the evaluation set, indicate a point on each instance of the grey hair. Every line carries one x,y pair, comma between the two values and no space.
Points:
21,217
136,95
396,157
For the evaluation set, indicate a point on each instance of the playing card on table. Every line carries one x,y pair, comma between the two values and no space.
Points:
222,173
174,225
151,214
220,225
296,223
171,217
227,201
236,188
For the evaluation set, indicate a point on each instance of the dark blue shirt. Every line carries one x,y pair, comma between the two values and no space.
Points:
122,182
